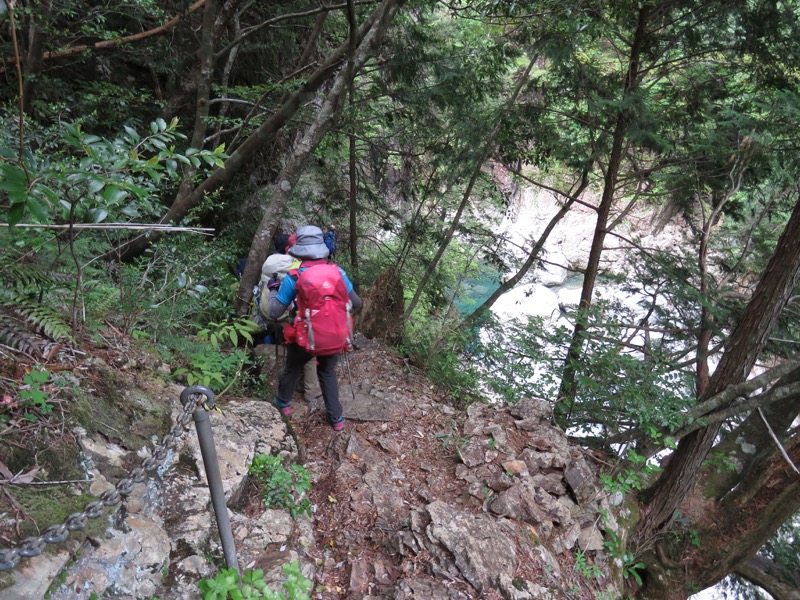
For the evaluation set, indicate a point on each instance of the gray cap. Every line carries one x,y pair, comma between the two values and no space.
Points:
310,244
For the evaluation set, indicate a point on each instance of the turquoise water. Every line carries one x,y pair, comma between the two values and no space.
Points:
475,291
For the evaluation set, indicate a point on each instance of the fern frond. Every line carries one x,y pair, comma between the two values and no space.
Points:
19,276
15,334
39,317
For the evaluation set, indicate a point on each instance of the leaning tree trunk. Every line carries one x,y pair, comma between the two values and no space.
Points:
755,432
757,508
487,147
748,516
566,395
331,108
186,200
537,248
746,343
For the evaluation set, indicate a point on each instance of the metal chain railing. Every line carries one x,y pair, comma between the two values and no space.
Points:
55,534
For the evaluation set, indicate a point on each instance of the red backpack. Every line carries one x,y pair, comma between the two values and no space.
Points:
323,325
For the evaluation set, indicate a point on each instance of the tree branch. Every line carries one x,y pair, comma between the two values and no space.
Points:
776,579
117,41
774,437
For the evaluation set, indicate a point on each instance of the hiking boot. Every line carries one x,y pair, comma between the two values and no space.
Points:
338,425
286,411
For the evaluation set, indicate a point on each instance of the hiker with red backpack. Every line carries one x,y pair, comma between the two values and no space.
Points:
322,328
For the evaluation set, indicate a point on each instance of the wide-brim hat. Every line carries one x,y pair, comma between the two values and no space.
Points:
310,244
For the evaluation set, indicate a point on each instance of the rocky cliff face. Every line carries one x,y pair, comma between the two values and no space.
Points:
414,499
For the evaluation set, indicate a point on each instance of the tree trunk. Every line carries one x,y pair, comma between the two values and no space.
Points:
331,108
745,344
567,391
188,199
202,85
730,532
745,444
33,59
487,147
537,247
354,276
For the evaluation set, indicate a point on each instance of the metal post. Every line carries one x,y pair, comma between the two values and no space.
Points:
209,453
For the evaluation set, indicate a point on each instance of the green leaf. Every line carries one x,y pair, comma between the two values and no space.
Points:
132,132
113,194
38,211
98,215
95,185
14,180
15,213
154,175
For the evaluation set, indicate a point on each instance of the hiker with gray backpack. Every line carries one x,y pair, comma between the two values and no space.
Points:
275,268
322,328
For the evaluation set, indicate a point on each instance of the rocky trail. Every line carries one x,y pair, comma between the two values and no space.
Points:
416,498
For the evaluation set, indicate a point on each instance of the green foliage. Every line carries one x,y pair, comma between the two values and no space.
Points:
683,530
33,303
217,333
718,462
281,487
630,478
35,397
623,557
586,568
437,347
212,369
180,285
213,366
93,179
32,396
229,584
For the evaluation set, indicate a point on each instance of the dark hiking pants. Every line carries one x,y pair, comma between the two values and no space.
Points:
296,358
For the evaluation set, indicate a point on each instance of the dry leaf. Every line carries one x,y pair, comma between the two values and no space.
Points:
25,477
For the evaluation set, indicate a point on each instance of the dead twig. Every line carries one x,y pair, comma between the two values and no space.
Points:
781,449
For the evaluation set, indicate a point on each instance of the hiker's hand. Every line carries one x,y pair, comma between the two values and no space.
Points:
273,283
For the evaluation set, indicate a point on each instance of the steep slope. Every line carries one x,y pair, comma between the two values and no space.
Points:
415,499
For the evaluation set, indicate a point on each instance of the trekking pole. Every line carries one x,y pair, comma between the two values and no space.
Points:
349,376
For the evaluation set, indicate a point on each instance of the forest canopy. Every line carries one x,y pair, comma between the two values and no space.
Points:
147,146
